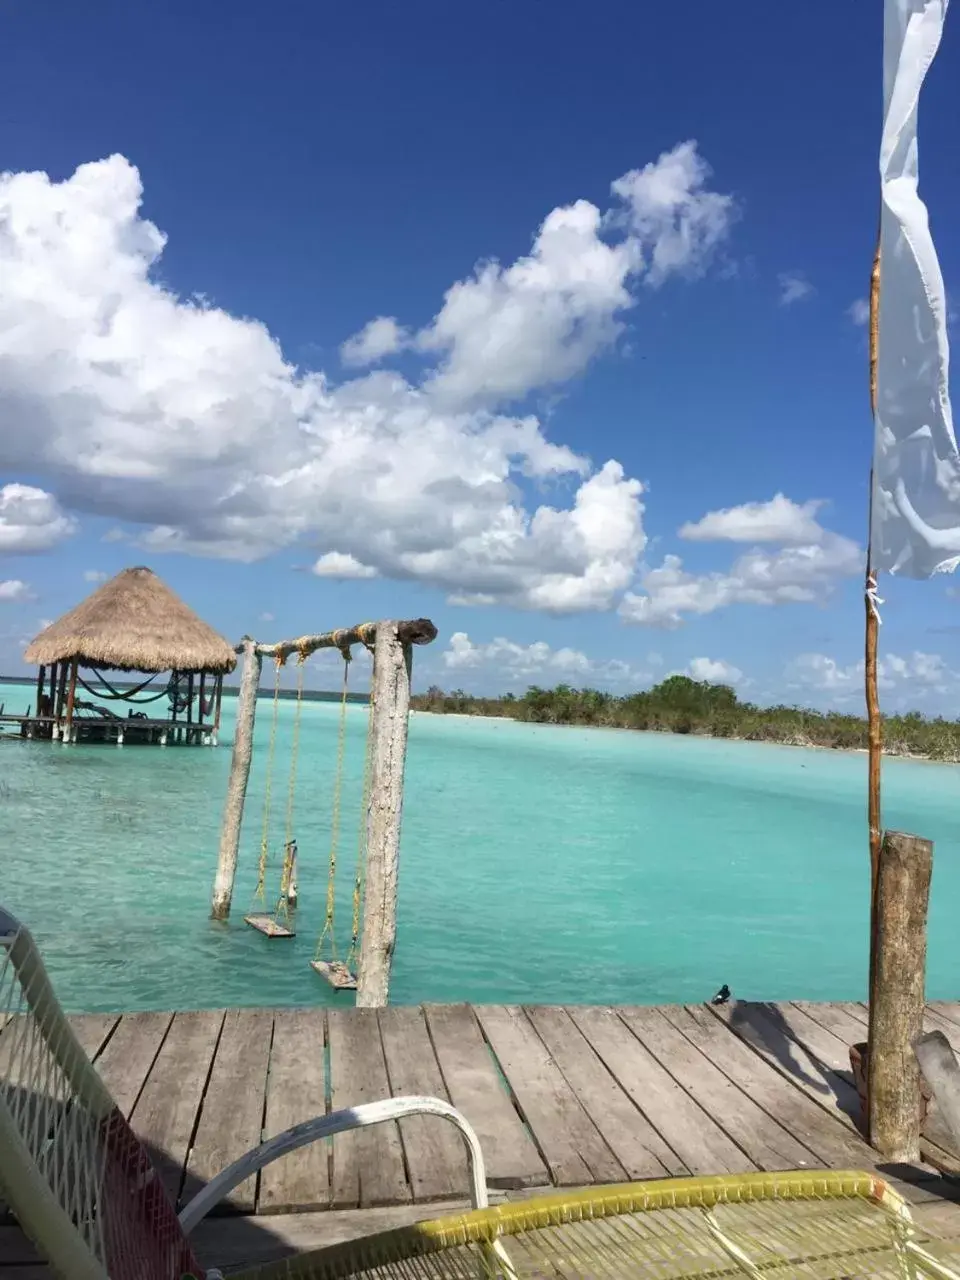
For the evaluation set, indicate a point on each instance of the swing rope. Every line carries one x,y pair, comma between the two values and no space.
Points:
259,892
283,906
328,933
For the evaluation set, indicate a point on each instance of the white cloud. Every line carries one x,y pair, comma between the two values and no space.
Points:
794,575
714,671
94,575
335,564
794,287
677,221
14,589
915,675
779,520
265,617
31,520
506,331
807,564
185,426
377,339
859,311
512,661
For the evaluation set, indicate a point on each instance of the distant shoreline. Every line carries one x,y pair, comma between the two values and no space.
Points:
686,707
894,752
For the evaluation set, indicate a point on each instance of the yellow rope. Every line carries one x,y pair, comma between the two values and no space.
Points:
328,932
258,895
282,905
295,748
361,868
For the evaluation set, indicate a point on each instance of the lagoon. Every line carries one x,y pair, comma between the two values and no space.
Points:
539,864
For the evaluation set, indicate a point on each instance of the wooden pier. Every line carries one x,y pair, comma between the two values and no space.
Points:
560,1097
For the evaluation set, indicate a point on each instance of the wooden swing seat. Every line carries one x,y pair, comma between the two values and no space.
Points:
269,926
336,973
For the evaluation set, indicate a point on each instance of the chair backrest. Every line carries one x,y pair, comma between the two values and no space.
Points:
80,1182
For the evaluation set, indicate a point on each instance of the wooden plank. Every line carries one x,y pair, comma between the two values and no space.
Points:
771,1038
835,1018
627,1131
93,1030
296,1091
933,1020
475,1088
368,1166
571,1144
832,1050
436,1157
833,1144
16,1248
167,1110
125,1062
949,1009
701,1145
231,1119
762,1139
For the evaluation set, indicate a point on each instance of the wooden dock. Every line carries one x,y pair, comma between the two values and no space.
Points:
560,1097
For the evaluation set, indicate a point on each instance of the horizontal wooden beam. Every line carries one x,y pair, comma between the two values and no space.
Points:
415,631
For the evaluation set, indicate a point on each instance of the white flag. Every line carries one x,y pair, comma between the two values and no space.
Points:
916,495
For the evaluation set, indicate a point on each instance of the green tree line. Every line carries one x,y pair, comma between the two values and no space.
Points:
681,705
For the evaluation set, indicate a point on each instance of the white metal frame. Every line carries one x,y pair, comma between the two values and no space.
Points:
302,1135
40,1212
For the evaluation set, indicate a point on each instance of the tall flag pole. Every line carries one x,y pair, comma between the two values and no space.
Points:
915,477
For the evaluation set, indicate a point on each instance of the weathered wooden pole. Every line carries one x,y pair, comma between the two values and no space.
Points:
390,691
897,995
237,783
67,736
40,679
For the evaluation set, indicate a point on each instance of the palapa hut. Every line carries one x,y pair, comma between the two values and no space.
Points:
135,623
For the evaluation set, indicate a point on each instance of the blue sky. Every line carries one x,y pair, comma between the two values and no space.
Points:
476,456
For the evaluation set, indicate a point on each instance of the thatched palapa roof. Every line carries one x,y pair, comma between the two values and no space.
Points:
134,622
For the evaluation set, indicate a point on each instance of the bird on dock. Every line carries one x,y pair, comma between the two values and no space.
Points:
722,996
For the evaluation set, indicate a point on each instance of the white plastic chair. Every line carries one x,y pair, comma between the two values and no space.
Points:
80,1182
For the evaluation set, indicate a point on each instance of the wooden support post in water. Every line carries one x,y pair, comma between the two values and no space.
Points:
40,678
71,693
56,697
237,783
216,710
897,995
392,665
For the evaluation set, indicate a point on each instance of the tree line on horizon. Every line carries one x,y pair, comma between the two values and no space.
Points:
682,705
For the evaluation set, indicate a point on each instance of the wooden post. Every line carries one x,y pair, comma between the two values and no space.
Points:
237,783
897,995
40,679
56,698
216,710
391,704
203,682
871,636
71,692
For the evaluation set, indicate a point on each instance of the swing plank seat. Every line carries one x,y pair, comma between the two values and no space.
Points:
269,926
340,977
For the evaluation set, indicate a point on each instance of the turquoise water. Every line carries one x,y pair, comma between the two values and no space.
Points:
538,864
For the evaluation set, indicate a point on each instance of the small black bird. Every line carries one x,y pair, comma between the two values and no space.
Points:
722,996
